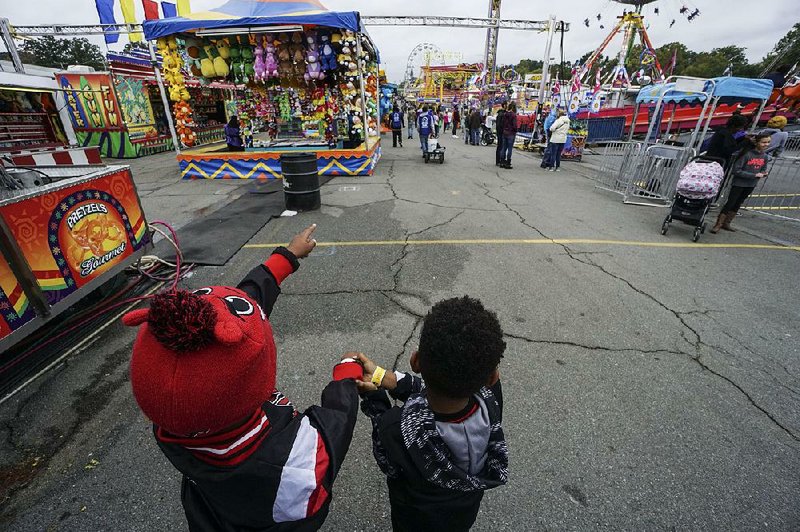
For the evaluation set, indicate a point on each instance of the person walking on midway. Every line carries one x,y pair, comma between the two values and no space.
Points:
425,125
233,137
509,135
498,126
474,127
558,137
412,119
397,122
748,168
456,121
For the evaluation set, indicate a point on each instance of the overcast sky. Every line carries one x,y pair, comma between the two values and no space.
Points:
754,25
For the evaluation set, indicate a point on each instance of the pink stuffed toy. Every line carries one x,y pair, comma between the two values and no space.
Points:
270,60
314,68
259,65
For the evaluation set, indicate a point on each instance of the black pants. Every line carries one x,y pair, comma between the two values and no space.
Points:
397,135
499,152
736,197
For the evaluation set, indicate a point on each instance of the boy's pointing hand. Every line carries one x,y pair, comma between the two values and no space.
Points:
302,244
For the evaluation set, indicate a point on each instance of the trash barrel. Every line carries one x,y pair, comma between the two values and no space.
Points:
300,181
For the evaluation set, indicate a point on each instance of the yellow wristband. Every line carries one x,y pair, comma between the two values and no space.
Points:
377,376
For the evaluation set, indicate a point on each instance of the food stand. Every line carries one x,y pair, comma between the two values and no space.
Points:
32,114
61,239
306,79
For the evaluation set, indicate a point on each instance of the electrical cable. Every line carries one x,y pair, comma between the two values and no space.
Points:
150,271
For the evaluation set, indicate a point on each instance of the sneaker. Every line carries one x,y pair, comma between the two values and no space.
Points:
557,170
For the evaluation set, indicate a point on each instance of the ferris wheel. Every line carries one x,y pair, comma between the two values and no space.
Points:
423,54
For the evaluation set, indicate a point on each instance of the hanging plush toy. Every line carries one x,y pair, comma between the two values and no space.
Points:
224,49
298,55
270,60
220,67
171,65
327,57
247,51
313,69
284,107
259,65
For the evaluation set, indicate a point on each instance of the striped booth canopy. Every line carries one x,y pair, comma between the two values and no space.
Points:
249,15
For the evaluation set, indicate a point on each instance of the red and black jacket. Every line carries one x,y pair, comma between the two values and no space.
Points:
276,472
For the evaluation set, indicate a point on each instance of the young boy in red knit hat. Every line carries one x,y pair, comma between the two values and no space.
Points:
203,371
444,446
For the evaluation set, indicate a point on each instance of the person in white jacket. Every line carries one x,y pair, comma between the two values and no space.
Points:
558,137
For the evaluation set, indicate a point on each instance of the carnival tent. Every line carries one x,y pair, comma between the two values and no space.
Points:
727,89
249,13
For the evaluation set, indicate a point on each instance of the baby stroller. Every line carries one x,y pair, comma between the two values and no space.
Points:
698,185
435,152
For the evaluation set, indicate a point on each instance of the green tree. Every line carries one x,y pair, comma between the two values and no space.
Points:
528,66
786,51
60,53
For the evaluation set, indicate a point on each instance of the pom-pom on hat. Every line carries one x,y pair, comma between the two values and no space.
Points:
202,360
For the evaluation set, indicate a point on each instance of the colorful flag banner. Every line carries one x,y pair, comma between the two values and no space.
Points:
673,62
576,81
105,10
169,9
129,14
150,9
597,83
184,8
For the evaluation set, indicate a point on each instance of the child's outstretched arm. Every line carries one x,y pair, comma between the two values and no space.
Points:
263,282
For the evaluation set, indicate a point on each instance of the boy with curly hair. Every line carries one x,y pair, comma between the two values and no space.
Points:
445,446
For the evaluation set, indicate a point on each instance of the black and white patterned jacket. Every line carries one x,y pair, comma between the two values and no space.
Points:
437,467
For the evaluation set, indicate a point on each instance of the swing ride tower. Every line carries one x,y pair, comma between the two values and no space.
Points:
630,24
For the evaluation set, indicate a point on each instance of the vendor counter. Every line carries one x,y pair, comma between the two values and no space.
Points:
62,239
216,162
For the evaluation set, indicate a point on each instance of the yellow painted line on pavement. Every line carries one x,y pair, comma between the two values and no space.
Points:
774,195
759,208
537,241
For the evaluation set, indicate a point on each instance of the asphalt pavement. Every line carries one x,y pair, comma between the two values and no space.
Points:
649,383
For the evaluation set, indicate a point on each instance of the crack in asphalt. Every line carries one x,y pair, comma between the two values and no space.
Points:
593,347
697,343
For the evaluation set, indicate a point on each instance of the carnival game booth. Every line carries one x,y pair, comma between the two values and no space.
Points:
647,171
308,81
143,111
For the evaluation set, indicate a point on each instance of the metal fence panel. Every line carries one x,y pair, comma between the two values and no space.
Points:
611,164
778,194
654,175
792,148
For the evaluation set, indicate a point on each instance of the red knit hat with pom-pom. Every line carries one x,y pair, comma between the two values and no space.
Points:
202,360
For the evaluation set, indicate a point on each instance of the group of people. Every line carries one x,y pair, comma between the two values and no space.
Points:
203,370
431,121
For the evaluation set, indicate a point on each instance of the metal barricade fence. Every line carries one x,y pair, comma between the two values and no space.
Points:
778,194
653,176
611,164
792,148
